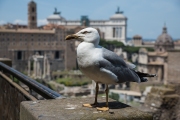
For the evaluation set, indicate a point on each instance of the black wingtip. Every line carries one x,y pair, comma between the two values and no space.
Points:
153,75
150,75
144,79
141,74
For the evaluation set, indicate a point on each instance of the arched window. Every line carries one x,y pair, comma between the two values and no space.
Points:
33,18
33,9
57,55
19,55
117,32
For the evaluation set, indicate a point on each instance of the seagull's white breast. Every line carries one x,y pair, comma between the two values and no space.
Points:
87,54
88,57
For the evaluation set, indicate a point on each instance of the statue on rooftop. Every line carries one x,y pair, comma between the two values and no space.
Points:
56,12
118,11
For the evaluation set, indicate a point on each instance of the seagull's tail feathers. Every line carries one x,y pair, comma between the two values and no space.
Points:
143,75
140,74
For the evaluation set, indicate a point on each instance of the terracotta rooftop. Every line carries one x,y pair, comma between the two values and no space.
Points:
155,63
71,26
53,26
157,54
27,31
177,42
148,43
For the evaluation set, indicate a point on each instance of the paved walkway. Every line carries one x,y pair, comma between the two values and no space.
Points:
132,93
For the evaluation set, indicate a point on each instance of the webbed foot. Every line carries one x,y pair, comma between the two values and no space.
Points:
102,108
90,105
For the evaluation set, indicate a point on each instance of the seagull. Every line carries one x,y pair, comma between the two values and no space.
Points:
103,65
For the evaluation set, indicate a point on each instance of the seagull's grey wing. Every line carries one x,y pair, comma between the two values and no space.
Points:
116,60
130,65
113,58
116,65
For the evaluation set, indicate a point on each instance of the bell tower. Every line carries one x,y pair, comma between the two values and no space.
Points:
32,15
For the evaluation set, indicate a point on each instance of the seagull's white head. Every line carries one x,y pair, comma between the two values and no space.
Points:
89,34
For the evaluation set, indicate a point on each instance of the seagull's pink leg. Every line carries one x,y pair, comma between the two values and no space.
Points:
95,102
106,108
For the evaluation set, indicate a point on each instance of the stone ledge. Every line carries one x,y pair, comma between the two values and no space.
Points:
6,61
162,91
71,109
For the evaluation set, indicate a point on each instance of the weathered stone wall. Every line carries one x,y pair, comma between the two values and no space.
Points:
174,66
30,41
10,99
163,102
11,95
70,54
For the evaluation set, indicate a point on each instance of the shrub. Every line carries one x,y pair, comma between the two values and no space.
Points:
114,43
117,44
73,82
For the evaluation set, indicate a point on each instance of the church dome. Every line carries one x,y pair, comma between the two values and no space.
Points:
164,42
164,37
118,15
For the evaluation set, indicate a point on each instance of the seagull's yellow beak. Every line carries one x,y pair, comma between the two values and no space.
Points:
70,37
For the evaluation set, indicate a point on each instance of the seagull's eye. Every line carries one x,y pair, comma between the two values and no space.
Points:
85,32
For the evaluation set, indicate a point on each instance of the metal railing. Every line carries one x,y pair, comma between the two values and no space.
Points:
40,89
12,94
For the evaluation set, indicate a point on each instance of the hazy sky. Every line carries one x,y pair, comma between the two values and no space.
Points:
145,17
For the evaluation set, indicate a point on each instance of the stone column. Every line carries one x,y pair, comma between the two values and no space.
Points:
160,73
29,67
35,68
154,71
41,68
44,66
48,69
165,73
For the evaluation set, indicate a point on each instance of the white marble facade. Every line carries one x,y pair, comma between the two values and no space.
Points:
113,29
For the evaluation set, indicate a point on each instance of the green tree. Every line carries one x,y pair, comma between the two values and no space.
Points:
117,44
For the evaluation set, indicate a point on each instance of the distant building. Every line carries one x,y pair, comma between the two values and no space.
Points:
153,62
32,15
137,40
156,62
164,42
113,29
12,26
20,43
173,72
177,44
